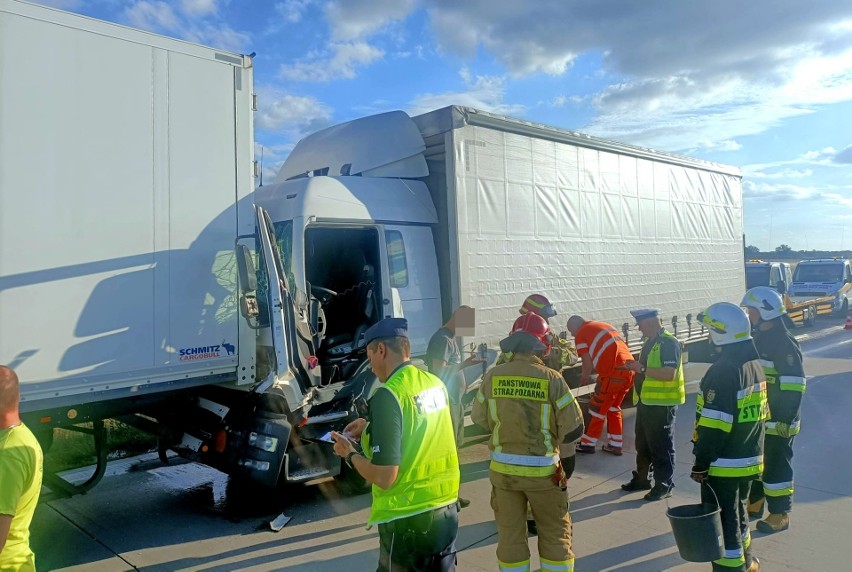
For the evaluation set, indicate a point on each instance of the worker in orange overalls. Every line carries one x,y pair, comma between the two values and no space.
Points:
602,349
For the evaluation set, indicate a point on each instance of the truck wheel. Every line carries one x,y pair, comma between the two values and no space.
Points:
350,483
811,321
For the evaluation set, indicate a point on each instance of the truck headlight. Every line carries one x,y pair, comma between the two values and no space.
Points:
266,443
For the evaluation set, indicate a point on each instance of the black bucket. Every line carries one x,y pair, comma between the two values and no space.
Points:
697,530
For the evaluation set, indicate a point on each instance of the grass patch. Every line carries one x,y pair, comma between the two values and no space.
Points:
71,449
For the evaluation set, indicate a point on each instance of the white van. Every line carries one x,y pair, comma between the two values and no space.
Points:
824,277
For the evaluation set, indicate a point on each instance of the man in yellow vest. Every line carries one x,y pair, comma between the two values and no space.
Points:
409,456
528,409
659,388
20,478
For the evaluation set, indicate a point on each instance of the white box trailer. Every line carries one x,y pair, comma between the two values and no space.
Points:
599,227
459,206
125,177
127,276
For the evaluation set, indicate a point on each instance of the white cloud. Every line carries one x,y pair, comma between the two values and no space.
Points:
844,156
357,19
197,22
341,63
482,92
831,197
278,111
293,10
152,16
199,7
686,72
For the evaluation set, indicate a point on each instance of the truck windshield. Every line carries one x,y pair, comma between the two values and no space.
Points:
757,276
818,273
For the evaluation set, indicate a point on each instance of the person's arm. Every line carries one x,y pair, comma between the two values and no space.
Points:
5,525
438,355
385,441
586,369
718,408
791,382
479,412
569,417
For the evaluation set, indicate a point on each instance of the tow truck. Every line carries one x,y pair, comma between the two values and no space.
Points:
802,309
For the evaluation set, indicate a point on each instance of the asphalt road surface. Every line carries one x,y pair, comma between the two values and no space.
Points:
146,516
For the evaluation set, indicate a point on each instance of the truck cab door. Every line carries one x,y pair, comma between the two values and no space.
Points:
290,362
412,281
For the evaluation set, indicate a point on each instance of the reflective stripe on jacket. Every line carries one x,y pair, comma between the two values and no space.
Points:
661,391
528,409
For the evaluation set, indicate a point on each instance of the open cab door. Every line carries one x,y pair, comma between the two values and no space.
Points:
293,368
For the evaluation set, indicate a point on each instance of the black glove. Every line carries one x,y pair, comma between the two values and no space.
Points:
698,475
568,464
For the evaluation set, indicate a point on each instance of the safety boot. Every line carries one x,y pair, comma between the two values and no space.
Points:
754,566
774,523
581,448
659,492
612,450
755,509
636,484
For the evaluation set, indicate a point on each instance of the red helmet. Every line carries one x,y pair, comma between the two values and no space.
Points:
534,325
539,305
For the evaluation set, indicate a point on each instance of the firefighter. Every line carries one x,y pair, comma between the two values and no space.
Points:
602,349
562,353
785,386
528,409
659,389
729,422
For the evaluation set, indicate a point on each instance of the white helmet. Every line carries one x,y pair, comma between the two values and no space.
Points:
728,323
765,300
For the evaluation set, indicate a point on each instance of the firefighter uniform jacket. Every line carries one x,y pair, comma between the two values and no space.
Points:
781,359
528,409
730,414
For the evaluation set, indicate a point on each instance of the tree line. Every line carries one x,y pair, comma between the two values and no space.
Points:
785,251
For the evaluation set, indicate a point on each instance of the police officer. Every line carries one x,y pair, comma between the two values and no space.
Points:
409,456
785,385
730,413
659,388
528,409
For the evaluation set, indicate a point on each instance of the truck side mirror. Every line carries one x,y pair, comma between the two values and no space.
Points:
248,282
781,287
245,267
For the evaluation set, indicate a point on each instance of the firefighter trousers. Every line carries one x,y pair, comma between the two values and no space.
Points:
655,442
777,484
732,494
605,407
509,497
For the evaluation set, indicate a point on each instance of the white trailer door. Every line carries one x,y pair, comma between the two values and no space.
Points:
413,280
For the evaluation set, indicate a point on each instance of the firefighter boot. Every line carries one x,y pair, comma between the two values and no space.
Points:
774,523
755,509
636,484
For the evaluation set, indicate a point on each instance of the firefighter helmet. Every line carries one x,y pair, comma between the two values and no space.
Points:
534,325
765,300
538,304
728,323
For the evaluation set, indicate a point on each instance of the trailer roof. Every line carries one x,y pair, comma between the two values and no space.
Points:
455,116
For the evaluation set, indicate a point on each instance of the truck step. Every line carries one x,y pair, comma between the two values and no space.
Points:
307,474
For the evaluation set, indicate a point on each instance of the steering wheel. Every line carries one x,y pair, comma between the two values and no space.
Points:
324,295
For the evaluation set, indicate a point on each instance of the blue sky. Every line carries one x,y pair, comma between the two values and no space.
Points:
764,85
